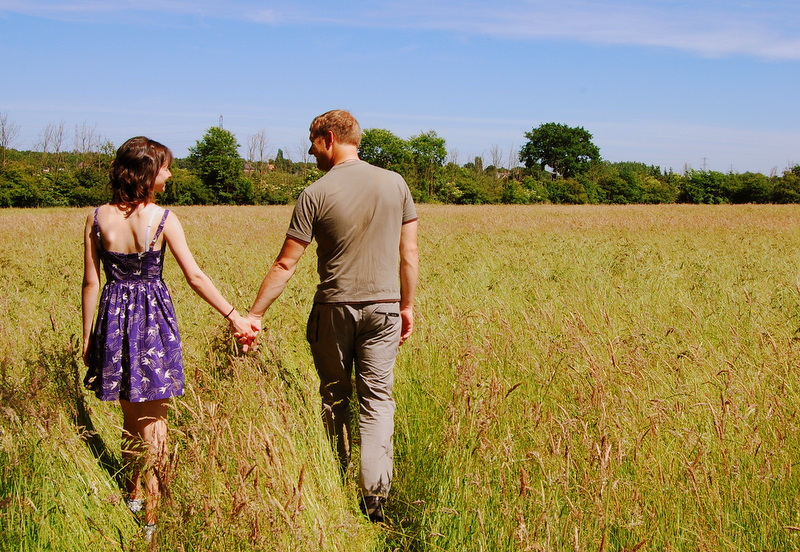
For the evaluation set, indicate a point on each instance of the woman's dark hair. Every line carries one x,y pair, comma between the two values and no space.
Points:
134,171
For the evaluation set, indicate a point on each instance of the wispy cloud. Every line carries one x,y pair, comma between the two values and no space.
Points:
98,10
767,29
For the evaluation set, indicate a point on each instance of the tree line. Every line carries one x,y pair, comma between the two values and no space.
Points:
557,164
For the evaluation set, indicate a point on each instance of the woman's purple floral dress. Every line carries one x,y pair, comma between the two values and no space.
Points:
135,352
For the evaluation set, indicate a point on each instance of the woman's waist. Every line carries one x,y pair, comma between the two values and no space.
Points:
134,281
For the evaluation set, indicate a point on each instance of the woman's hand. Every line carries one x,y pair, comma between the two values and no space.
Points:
244,330
85,352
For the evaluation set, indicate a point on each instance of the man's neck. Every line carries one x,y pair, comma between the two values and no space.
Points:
345,153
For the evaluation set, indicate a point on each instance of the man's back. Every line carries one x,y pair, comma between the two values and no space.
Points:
355,213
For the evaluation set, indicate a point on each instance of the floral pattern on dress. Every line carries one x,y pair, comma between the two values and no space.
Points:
135,351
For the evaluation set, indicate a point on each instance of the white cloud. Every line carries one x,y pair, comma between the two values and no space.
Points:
101,10
767,29
264,16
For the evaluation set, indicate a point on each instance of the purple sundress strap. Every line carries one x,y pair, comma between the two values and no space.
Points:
158,230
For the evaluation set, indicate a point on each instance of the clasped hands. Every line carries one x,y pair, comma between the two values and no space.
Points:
246,329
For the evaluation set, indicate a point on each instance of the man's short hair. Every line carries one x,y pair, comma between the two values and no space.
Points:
341,123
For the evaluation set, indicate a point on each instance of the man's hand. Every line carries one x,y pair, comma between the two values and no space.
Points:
249,338
245,330
407,321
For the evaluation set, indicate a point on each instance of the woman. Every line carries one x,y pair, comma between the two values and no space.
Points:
133,349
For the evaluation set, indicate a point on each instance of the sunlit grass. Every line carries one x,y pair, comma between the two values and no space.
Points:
581,378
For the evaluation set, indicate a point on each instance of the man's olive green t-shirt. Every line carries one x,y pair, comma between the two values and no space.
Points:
355,213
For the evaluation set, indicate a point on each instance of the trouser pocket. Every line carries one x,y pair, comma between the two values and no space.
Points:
312,327
388,317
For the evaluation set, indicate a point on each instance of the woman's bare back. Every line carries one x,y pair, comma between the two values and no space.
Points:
128,234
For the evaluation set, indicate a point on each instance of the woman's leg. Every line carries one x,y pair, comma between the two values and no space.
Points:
144,446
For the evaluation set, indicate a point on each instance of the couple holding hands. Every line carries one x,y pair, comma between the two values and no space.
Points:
365,224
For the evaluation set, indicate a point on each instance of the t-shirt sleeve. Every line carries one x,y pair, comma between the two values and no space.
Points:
301,226
409,209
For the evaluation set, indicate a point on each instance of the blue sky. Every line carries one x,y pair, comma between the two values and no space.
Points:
705,83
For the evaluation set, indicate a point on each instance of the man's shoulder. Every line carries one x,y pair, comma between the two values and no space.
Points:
365,166
381,174
354,171
382,170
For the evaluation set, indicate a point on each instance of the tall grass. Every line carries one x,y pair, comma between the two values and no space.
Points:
581,378
604,379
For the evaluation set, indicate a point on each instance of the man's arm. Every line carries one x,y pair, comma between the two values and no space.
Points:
279,274
409,275
276,279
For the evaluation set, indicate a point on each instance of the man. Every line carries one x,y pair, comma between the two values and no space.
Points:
365,224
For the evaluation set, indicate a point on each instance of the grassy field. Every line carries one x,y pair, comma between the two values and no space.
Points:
581,378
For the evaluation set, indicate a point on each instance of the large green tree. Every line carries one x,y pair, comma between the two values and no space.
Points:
787,188
427,153
568,151
428,149
419,159
382,148
216,161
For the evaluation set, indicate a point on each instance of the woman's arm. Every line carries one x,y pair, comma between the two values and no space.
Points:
196,278
91,284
